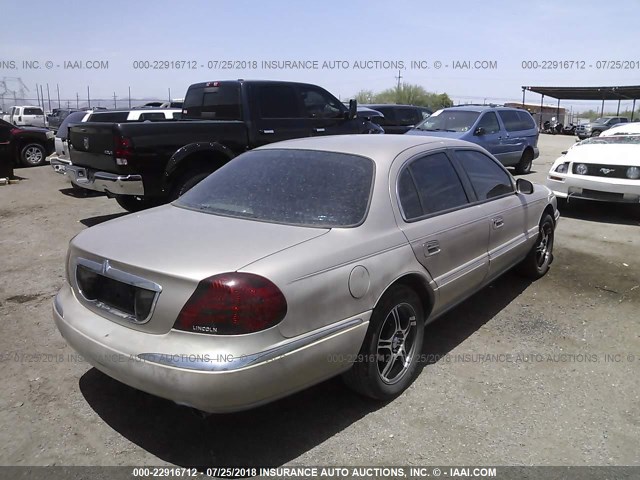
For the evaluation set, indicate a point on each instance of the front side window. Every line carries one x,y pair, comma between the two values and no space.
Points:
292,187
488,179
408,117
320,104
430,185
489,122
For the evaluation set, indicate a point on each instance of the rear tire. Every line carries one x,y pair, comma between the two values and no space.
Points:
388,360
526,161
596,133
33,155
132,203
537,262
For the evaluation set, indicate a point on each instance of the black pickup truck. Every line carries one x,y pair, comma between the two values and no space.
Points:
147,164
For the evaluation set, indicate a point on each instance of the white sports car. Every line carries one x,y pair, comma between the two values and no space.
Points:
629,128
605,168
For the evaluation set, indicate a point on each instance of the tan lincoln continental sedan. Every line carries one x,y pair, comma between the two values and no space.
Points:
296,262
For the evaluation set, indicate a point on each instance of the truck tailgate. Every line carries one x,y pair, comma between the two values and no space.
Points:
92,145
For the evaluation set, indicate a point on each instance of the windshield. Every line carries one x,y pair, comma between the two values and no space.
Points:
453,120
612,140
293,187
601,120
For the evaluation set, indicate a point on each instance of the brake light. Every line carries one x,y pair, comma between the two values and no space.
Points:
213,84
232,304
123,150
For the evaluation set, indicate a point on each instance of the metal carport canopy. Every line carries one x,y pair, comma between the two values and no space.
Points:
631,92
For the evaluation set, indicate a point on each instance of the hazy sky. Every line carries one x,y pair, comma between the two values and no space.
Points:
589,33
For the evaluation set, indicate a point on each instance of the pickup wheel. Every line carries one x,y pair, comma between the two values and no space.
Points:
132,203
33,155
596,133
187,181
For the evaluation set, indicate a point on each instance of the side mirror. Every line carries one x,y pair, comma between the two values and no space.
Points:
524,186
479,131
564,153
353,108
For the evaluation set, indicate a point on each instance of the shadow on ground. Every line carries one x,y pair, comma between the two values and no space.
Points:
279,432
80,192
91,221
602,212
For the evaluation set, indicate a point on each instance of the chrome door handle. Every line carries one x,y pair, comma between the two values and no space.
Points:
431,248
498,222
267,132
319,130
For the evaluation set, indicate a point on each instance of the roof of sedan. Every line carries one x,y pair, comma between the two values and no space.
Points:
371,146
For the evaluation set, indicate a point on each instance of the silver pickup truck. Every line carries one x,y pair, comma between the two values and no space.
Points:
599,125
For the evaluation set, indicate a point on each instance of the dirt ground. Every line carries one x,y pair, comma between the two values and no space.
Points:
542,373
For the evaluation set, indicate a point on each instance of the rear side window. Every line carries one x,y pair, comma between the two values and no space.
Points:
153,117
213,103
110,117
277,101
510,119
436,184
526,120
488,179
33,111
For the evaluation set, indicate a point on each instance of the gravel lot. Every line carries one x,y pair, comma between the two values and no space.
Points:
552,398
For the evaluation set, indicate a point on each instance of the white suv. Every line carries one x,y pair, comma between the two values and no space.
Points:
27,116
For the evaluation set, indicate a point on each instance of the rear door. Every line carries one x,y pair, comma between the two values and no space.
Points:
504,211
276,113
5,148
447,236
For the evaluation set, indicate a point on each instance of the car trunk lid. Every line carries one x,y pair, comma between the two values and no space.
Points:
115,268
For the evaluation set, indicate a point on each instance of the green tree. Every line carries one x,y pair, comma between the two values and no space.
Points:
409,94
365,96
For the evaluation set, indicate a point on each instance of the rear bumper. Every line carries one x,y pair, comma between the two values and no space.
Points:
172,366
105,181
59,164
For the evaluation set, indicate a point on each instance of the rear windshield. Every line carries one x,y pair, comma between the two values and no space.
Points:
453,120
293,187
213,103
75,117
33,111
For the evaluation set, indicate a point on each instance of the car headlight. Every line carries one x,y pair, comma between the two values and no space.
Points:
633,173
562,168
581,169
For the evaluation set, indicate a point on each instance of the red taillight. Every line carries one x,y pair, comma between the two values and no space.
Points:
232,304
14,131
123,149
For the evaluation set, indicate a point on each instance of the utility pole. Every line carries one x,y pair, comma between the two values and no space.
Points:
114,100
58,88
48,97
129,97
88,97
399,77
